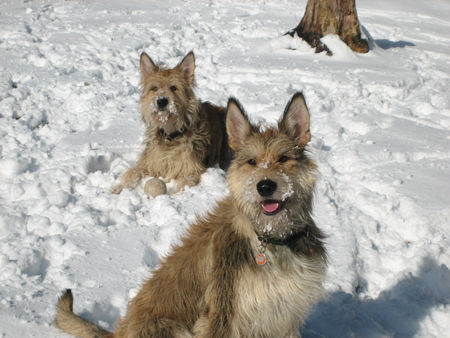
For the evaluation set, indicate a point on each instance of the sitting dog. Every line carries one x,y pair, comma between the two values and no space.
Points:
184,136
254,266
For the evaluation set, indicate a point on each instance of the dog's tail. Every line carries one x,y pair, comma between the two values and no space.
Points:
70,323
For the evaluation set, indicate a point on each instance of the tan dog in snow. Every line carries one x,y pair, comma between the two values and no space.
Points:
254,266
184,136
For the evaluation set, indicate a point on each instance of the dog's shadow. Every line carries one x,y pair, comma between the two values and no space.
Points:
104,315
397,312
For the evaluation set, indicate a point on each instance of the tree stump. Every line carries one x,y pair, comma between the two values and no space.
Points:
324,17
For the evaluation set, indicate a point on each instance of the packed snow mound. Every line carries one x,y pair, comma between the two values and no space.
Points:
70,126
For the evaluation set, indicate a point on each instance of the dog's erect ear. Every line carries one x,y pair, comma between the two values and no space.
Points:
295,120
238,126
188,67
147,65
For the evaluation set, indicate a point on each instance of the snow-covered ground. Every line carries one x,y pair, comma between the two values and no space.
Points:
69,127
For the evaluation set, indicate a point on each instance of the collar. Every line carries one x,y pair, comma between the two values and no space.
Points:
266,239
177,133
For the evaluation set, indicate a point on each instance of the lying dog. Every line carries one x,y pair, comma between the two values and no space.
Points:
184,135
251,268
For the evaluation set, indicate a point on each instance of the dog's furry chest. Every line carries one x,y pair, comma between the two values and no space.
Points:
172,159
274,300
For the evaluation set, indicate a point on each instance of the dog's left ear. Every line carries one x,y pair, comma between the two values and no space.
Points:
147,65
237,124
188,67
295,120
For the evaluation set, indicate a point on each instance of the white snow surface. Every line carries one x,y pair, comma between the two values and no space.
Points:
70,126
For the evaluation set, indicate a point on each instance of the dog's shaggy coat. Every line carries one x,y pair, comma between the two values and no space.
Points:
184,136
212,286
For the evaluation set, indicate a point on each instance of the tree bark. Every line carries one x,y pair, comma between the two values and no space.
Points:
324,17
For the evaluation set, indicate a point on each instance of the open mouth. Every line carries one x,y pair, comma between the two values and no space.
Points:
271,207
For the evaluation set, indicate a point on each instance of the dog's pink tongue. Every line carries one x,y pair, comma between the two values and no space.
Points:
270,206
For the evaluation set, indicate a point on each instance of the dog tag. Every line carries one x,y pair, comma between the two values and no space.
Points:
261,259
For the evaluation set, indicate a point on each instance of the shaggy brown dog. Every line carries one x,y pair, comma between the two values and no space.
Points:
184,135
251,268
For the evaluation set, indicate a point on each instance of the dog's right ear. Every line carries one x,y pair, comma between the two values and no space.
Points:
295,120
147,65
187,66
238,126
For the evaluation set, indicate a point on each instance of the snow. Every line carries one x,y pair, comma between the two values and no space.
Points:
69,127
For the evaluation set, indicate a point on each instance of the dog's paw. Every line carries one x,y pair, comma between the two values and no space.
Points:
117,189
131,177
184,183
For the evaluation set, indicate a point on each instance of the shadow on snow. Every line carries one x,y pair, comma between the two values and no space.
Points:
388,44
397,312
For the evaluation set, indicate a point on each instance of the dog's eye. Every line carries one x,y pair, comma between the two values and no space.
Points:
251,162
173,88
282,159
154,89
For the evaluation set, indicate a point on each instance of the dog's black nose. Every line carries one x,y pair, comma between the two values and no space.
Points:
162,102
266,187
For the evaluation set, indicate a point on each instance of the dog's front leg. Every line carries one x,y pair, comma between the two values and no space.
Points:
217,315
189,175
131,178
211,326
185,182
201,328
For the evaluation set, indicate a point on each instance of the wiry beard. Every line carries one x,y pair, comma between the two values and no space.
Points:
173,118
294,212
252,180
162,116
280,226
289,221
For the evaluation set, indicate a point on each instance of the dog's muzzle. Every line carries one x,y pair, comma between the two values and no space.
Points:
266,188
162,102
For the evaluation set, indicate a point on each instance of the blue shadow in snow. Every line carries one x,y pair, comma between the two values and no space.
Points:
104,315
397,312
388,44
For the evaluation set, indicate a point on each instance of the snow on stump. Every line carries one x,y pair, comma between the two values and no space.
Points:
323,17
